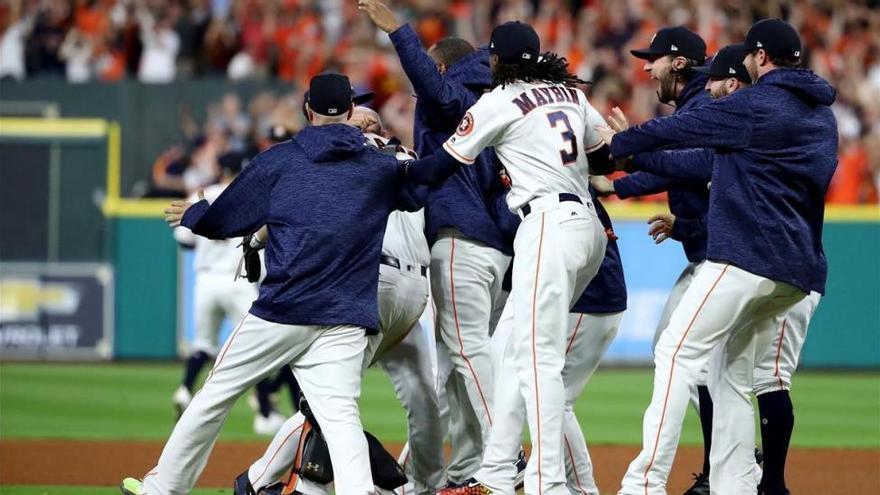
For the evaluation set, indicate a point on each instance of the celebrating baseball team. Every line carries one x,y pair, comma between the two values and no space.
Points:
493,223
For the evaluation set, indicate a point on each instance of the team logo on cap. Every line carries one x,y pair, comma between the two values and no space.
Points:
731,70
759,44
466,125
673,48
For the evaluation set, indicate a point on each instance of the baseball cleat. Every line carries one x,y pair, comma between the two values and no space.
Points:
181,399
268,426
469,487
242,485
700,486
132,486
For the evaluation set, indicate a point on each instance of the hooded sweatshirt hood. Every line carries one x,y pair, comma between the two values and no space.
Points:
803,83
472,71
330,143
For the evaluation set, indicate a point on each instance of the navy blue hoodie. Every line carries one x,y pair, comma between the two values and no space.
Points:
465,200
687,199
775,153
325,198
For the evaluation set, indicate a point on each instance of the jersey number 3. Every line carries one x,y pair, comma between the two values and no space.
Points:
569,155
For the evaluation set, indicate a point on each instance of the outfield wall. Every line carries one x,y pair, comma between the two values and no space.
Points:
845,332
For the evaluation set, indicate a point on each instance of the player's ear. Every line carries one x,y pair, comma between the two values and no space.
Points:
679,64
309,115
350,112
761,57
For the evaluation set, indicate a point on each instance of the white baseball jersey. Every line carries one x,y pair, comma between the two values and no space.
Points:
541,133
405,233
220,257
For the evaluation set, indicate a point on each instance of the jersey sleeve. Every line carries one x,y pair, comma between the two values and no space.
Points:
592,138
480,128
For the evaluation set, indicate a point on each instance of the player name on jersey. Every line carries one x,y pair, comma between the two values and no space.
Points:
544,96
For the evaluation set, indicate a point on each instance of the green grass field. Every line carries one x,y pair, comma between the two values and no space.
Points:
132,402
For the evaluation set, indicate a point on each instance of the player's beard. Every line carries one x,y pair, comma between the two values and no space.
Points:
666,87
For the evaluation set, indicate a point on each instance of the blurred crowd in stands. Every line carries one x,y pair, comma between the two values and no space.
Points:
159,41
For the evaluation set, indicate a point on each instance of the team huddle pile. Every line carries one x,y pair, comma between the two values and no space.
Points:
513,158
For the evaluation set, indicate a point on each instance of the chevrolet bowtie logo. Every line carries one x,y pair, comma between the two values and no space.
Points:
23,299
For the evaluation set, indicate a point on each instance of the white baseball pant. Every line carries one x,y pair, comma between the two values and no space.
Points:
402,299
327,363
217,296
466,279
723,305
559,248
678,289
589,336
773,371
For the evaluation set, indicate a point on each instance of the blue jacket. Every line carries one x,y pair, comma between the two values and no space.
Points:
775,153
325,197
607,291
687,200
442,100
691,168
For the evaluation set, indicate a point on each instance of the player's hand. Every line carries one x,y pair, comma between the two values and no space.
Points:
380,14
602,185
174,213
617,120
362,120
606,133
660,227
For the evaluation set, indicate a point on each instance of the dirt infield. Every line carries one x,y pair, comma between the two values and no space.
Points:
811,471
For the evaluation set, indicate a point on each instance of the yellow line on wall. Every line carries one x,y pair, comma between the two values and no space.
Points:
52,128
135,208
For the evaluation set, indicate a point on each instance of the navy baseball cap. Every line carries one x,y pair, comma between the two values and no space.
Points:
678,41
356,99
515,42
728,62
776,37
329,94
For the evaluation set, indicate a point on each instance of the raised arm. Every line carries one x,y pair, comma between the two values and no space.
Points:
723,123
429,85
690,164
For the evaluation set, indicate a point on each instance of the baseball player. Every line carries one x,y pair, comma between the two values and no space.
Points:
399,347
543,131
773,371
319,296
670,60
469,253
767,199
218,295
592,324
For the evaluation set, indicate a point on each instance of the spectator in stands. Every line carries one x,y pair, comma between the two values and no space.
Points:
160,46
15,26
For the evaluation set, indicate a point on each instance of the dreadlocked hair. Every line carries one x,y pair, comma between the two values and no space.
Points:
549,68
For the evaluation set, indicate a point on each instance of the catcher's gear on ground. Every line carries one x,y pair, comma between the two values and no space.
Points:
315,462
